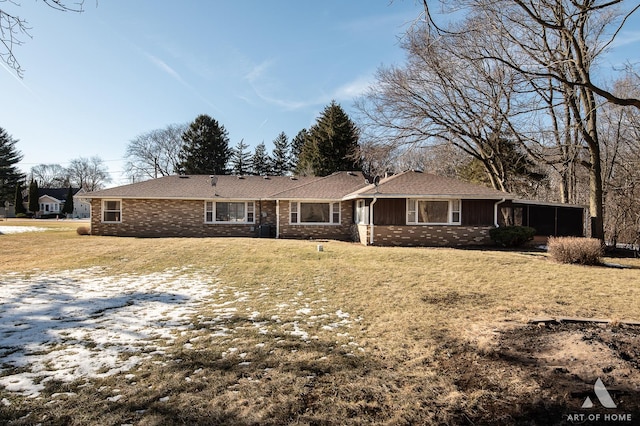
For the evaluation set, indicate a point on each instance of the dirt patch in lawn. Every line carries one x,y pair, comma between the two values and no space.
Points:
543,374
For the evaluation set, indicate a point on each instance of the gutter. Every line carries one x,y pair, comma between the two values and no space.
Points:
371,218
495,211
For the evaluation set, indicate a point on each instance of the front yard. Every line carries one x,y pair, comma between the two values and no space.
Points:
99,330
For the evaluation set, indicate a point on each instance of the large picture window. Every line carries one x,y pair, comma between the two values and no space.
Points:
229,212
112,211
314,213
434,212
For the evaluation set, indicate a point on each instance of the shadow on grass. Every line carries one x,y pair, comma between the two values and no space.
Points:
249,379
519,383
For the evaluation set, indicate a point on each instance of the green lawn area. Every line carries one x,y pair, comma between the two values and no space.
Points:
349,335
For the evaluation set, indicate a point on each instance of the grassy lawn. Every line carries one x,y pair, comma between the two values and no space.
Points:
427,335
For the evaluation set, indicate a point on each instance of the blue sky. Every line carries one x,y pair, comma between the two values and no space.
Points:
94,81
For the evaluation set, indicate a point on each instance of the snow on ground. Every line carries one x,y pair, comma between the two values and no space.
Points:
20,229
88,323
77,323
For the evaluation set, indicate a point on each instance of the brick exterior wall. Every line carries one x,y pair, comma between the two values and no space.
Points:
185,218
427,236
343,231
175,218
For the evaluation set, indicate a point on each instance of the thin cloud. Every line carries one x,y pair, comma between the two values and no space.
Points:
19,80
259,71
353,89
165,67
626,38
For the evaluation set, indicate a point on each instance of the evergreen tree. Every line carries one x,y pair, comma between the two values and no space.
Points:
68,203
9,173
17,201
206,148
331,145
240,159
34,204
281,160
261,161
296,148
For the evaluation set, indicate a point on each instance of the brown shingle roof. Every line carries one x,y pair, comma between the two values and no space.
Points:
419,184
332,187
340,185
201,187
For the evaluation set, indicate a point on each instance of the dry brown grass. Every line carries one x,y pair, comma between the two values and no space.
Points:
420,308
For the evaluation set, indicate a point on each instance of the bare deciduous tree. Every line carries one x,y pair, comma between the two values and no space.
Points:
89,174
620,140
439,97
155,153
550,41
50,176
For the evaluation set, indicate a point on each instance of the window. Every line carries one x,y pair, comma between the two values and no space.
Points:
455,211
314,213
362,212
111,211
433,211
229,212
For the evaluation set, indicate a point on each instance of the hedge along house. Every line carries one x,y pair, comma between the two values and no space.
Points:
407,209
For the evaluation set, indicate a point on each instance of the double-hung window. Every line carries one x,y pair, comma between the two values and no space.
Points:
229,212
314,213
433,212
112,211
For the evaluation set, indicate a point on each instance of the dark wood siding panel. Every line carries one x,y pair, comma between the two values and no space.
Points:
390,211
477,212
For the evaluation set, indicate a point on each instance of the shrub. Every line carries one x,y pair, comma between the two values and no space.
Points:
83,230
512,236
583,251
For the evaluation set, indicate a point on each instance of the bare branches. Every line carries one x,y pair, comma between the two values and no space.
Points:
14,30
155,153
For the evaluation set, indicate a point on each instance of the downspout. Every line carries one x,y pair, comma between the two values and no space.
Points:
277,219
495,212
371,219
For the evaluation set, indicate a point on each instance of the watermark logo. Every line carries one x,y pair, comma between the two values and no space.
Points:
602,394
605,400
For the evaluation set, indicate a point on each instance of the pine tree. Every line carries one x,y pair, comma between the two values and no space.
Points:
68,203
331,144
17,201
296,148
281,160
240,159
9,173
34,203
261,161
206,148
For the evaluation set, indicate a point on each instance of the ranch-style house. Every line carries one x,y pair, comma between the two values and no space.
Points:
406,209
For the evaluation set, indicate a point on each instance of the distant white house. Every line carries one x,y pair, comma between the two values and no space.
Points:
51,201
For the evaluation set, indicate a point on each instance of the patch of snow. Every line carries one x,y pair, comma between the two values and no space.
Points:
20,229
115,398
89,323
